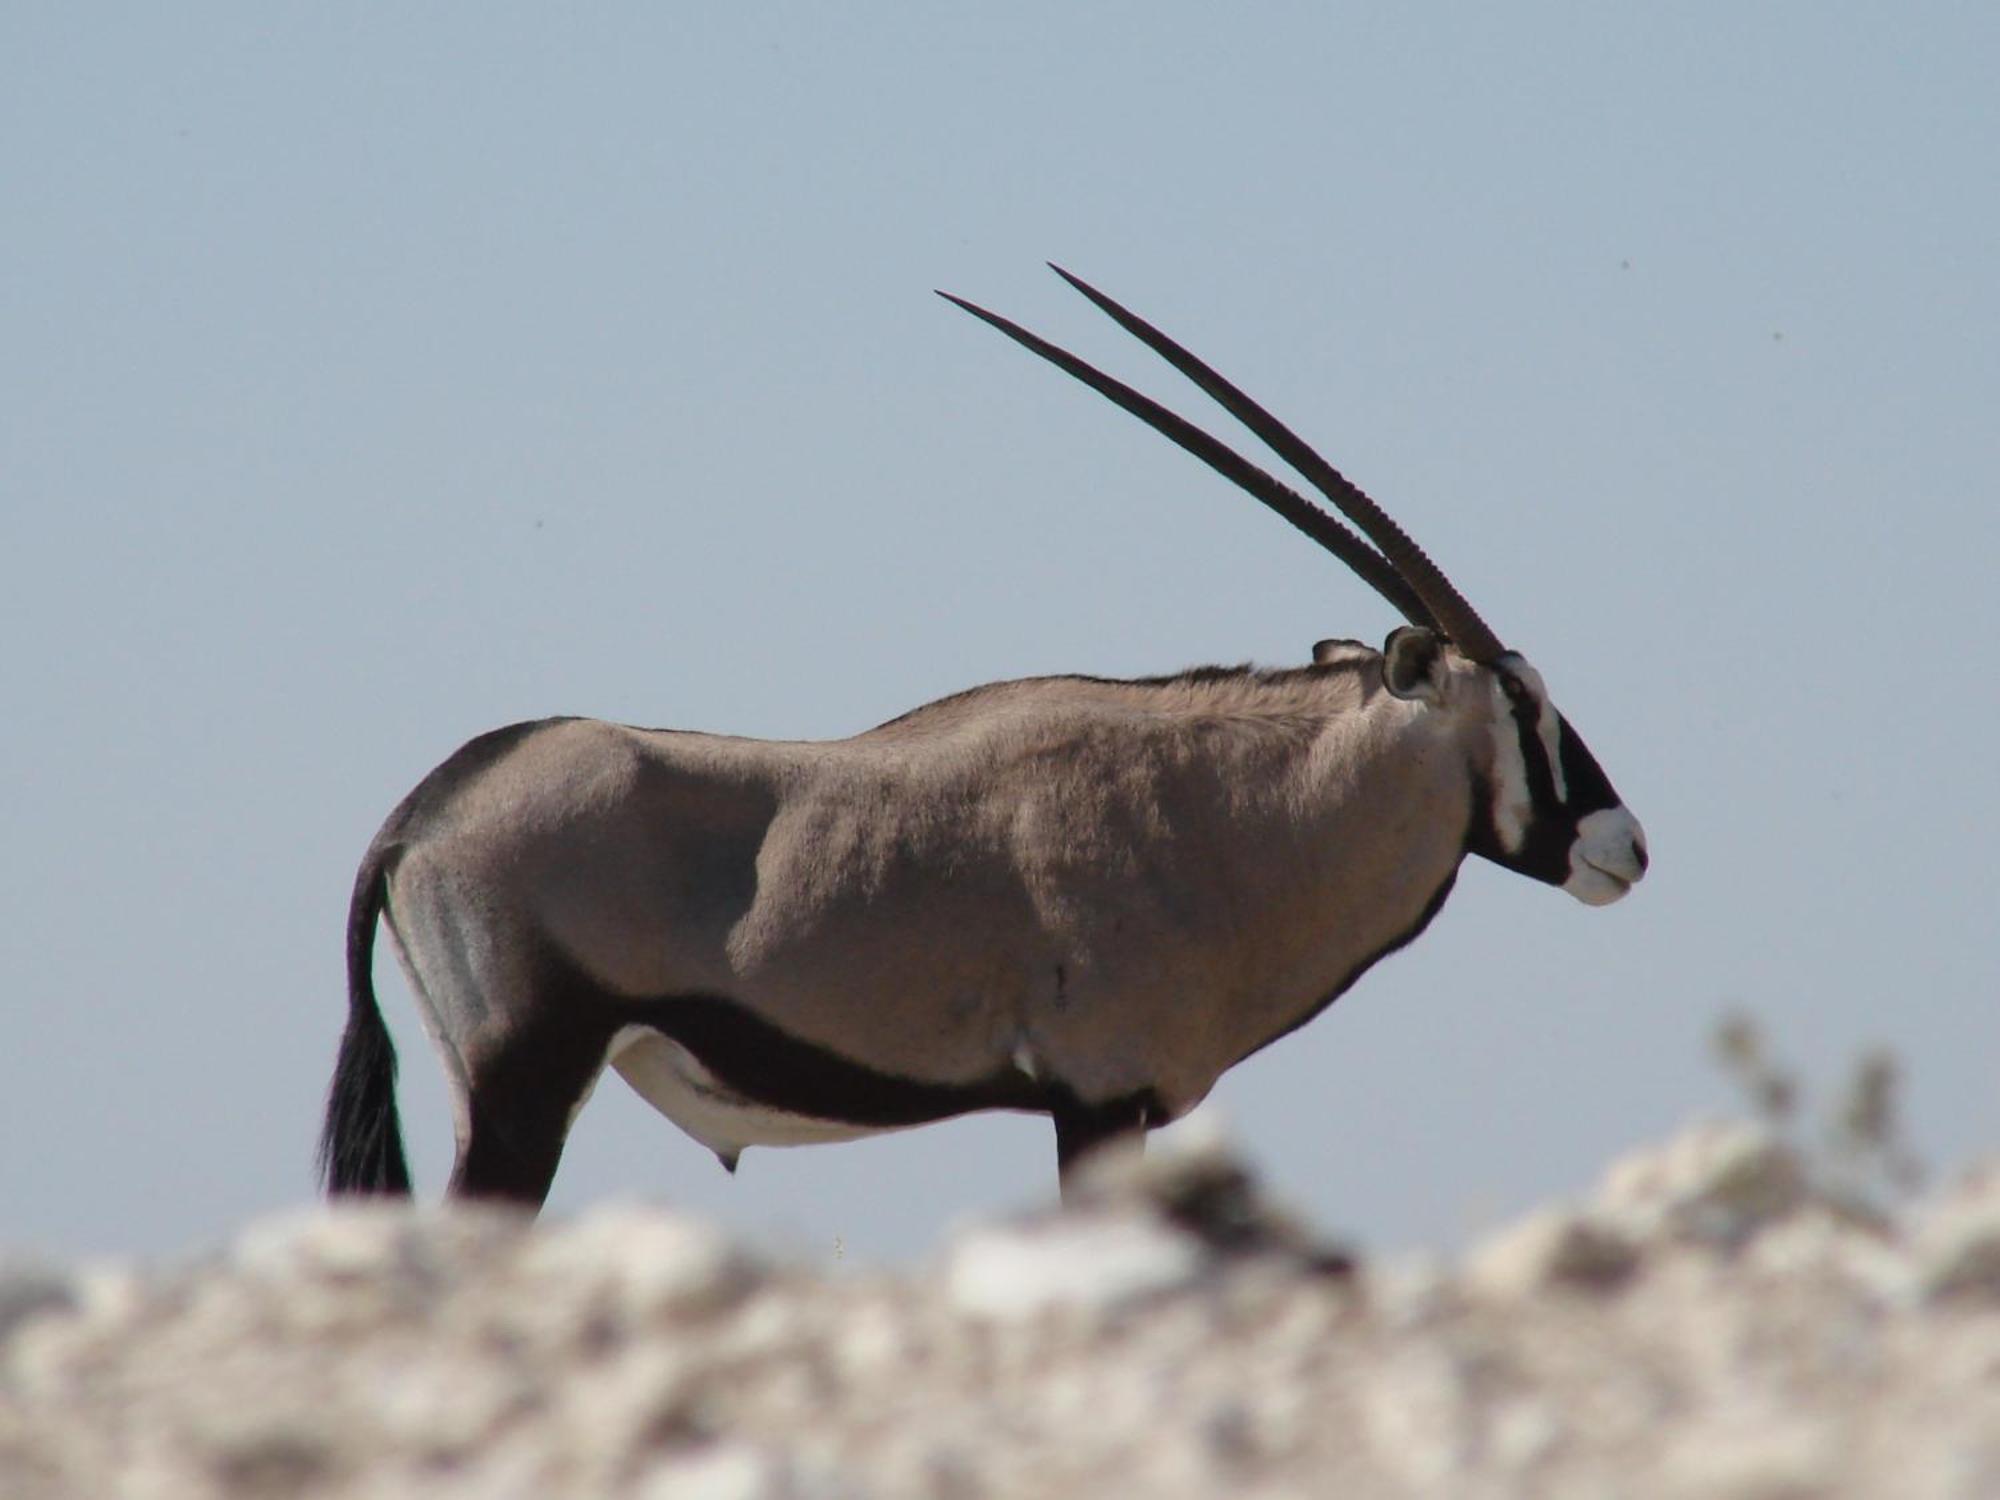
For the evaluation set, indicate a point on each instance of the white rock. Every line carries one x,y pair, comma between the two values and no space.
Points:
645,1262
1957,1244
1077,1260
1550,1248
457,1361
1718,1183
1772,1458
369,1239
1523,1432
1822,1242
1411,1291
1419,1416
874,1336
109,1293
721,1471
29,1289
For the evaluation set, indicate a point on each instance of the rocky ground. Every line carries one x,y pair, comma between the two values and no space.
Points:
1709,1324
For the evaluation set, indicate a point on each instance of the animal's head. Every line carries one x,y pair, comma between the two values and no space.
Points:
1541,804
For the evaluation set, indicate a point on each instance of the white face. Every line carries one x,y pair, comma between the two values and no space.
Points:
1608,857
1554,814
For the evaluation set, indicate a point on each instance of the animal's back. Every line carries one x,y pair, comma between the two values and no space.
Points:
1030,865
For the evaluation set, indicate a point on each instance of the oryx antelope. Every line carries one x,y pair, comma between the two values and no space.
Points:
1064,895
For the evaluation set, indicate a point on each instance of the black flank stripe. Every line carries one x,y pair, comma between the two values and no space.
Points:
767,1065
764,1063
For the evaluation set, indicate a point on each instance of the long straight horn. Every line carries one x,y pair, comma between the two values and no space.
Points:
1458,619
1372,566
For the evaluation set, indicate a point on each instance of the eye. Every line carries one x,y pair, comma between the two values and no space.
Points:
1512,687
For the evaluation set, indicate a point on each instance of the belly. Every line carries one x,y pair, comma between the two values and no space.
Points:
674,1081
731,1079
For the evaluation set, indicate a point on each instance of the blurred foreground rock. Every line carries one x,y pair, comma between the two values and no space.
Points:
1706,1326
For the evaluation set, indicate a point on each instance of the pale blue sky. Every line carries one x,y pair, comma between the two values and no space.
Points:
374,377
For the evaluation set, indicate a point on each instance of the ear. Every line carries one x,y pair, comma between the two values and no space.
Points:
1413,664
1325,653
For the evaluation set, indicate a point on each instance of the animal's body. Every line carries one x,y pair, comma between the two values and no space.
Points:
1070,895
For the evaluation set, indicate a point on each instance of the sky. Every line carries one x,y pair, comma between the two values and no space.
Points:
377,376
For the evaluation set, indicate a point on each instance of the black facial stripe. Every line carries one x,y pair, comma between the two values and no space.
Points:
1545,841
1527,715
1551,827
1544,851
1590,790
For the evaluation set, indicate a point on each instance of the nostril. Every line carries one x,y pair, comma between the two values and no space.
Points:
1639,853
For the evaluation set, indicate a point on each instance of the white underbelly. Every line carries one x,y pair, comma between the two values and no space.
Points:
671,1079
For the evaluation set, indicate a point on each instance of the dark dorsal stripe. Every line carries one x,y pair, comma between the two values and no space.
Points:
1247,674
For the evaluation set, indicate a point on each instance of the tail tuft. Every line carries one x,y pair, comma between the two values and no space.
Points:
361,1144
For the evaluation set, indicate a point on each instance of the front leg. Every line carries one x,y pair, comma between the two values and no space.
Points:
1082,1128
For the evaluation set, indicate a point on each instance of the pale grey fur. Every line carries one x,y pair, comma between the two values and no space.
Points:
1129,885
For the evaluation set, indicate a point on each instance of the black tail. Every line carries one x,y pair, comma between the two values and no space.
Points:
361,1144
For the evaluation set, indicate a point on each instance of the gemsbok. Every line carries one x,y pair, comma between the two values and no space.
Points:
1064,895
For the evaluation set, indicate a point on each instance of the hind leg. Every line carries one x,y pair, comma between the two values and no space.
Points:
522,1047
523,1091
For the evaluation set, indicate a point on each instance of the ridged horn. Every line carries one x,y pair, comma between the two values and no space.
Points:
1323,528
1416,578
1460,621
